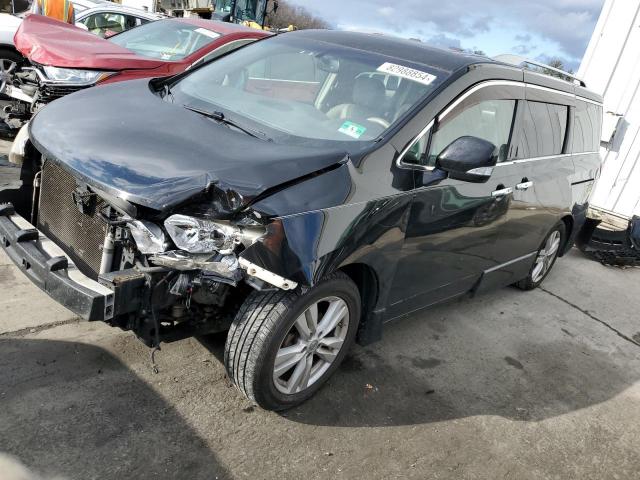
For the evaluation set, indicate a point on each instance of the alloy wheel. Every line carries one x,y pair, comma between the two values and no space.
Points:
546,257
6,70
311,345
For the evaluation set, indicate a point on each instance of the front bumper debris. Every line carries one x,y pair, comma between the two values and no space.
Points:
52,270
271,278
17,94
19,145
221,268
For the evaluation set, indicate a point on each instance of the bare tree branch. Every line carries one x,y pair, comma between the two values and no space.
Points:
299,17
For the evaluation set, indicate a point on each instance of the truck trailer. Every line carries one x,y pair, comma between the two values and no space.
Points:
611,68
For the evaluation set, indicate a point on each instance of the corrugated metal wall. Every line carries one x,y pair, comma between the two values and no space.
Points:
611,67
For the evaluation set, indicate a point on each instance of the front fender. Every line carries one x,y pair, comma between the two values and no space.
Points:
306,247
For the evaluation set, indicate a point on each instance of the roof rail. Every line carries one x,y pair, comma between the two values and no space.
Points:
519,61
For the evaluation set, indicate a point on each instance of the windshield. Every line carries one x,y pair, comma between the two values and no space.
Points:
293,88
165,39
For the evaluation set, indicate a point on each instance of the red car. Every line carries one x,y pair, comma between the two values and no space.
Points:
64,58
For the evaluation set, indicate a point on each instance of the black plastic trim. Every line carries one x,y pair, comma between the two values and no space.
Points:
49,274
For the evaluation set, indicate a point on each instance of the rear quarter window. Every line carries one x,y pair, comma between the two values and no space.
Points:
587,125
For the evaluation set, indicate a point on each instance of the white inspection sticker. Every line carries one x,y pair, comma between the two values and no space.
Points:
408,73
208,33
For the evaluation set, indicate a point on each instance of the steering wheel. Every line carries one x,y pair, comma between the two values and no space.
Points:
380,121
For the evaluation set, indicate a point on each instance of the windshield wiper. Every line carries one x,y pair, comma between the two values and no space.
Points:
220,117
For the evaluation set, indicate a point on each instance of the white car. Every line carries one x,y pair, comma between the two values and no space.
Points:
97,16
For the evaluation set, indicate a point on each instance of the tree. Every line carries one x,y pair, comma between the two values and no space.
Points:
299,17
559,64
555,63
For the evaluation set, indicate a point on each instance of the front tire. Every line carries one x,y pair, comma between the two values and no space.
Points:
283,346
545,258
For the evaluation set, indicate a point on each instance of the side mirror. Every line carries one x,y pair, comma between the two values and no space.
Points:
470,159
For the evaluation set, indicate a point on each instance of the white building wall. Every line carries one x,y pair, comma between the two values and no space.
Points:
611,67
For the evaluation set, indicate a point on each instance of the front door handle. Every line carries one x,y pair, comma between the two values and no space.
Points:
524,186
502,193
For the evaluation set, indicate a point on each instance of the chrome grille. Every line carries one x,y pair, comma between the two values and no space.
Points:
80,235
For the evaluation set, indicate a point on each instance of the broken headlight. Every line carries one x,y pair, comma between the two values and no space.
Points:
74,76
148,236
199,235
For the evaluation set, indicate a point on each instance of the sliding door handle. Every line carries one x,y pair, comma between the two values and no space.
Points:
502,193
524,186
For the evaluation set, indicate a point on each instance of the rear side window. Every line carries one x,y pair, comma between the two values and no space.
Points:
541,130
587,124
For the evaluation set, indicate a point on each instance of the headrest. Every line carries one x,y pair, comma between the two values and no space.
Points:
368,92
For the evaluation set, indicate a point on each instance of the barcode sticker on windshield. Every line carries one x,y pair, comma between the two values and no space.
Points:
208,33
408,73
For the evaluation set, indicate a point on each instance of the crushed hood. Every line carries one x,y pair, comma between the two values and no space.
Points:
126,140
47,41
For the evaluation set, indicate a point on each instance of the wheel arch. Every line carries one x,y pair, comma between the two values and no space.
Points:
10,48
569,223
367,281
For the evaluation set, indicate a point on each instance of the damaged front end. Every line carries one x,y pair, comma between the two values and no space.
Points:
161,217
32,86
182,277
165,276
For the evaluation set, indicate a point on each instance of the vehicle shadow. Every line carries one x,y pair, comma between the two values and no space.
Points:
429,369
449,363
74,410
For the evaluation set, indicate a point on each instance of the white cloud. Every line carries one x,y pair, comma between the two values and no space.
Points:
563,27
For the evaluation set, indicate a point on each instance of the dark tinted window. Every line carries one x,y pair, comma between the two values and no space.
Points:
587,124
541,130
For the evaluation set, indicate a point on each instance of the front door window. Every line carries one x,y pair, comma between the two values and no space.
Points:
490,120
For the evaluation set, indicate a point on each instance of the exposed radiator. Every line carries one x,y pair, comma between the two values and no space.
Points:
80,235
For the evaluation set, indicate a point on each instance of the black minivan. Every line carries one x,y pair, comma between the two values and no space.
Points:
300,193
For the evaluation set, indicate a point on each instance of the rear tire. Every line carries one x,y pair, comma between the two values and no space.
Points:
545,258
279,326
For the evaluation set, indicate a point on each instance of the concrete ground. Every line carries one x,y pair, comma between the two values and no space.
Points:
544,384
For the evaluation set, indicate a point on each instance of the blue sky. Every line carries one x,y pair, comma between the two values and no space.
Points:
537,29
